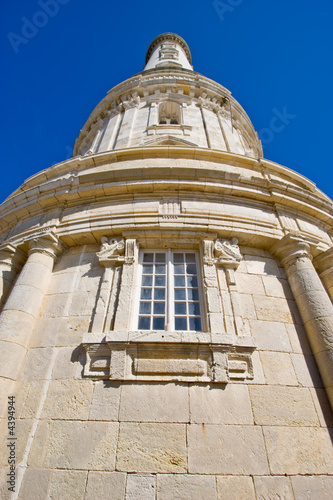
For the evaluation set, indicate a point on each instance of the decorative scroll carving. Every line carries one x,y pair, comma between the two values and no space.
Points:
112,251
227,252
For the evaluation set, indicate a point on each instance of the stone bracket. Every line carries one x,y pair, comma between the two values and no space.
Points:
143,356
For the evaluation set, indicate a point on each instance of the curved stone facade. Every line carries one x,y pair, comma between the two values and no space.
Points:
167,319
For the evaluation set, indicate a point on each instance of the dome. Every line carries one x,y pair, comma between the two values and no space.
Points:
169,103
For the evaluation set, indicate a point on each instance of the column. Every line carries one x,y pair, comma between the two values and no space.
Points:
11,260
324,266
23,304
313,303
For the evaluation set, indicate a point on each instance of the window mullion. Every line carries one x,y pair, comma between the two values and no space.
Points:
170,293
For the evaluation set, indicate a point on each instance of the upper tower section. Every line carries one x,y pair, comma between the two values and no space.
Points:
168,104
168,51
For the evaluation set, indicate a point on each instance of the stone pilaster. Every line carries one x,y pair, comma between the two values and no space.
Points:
324,266
23,304
11,260
124,305
313,303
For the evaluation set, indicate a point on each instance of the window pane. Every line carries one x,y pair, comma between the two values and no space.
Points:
144,323
160,257
191,269
159,280
179,269
178,257
195,324
160,269
146,293
192,281
194,308
147,269
179,280
193,294
158,323
145,308
180,294
147,280
159,293
180,324
159,307
180,307
190,257
148,257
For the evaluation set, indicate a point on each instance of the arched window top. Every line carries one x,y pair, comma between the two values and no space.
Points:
169,113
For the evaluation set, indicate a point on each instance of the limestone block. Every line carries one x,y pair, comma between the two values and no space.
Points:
316,305
235,488
189,487
154,403
272,488
6,389
322,406
105,401
272,309
259,377
64,366
79,305
229,449
312,487
270,336
68,399
249,283
152,447
106,485
319,332
54,305
298,339
299,450
80,445
278,368
22,430
283,406
225,404
140,487
27,397
277,287
72,329
306,370
35,484
67,485
25,298
62,283
247,310
262,265
45,332
36,364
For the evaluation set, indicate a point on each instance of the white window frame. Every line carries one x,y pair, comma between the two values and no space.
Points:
169,315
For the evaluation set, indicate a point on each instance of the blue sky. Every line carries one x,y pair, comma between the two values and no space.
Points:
60,57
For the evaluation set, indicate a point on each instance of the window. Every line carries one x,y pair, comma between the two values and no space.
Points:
169,113
169,291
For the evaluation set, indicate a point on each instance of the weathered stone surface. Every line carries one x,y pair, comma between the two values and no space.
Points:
22,430
189,487
306,370
152,447
322,406
154,403
230,449
75,445
106,485
64,365
67,485
278,368
37,364
298,339
35,484
246,306
105,401
283,406
312,487
6,389
291,450
270,336
277,287
139,487
249,283
68,399
261,265
272,488
235,488
227,404
272,309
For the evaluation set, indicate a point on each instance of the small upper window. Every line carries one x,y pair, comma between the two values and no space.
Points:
169,113
169,291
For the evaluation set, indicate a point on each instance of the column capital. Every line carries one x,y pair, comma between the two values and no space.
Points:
324,261
47,244
11,256
291,247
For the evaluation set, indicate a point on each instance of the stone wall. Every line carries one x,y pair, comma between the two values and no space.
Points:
250,439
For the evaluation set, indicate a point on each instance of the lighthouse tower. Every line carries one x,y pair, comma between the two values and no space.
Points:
166,327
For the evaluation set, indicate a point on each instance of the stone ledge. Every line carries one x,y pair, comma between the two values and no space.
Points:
168,356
